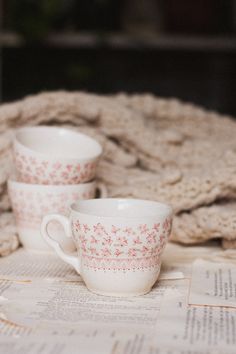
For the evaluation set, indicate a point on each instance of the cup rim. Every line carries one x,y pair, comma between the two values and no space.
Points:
39,154
18,184
165,209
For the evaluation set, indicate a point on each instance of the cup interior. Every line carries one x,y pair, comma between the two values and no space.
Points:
124,208
58,142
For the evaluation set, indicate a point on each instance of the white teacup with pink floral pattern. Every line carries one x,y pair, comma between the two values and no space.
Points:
30,202
119,243
53,155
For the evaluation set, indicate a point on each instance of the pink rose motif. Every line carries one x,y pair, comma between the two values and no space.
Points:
145,251
157,249
105,252
44,163
153,251
156,227
99,229
93,251
86,228
122,241
107,241
75,179
93,239
151,238
118,252
52,175
129,231
162,238
39,170
83,176
56,165
143,229
77,226
114,230
33,160
132,252
137,241
83,247
64,174
69,168
166,225
83,240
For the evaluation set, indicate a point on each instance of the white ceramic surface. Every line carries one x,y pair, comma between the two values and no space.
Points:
53,155
31,202
119,243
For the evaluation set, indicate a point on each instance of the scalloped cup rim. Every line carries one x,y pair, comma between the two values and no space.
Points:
162,209
42,155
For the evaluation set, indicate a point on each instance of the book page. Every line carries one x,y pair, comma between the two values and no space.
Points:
213,283
184,327
68,309
73,303
36,345
24,265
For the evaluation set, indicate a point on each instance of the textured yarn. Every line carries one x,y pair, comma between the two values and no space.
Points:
154,148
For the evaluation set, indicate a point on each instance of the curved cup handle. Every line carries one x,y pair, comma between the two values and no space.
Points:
64,221
102,190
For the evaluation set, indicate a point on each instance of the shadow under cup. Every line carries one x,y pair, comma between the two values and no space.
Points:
119,243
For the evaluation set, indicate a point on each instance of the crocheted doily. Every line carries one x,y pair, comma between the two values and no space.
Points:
154,148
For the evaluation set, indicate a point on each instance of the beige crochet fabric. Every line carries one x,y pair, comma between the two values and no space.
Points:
154,148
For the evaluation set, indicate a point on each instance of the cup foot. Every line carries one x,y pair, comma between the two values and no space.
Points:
132,294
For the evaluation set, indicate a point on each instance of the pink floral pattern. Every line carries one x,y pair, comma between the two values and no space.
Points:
30,206
38,171
120,248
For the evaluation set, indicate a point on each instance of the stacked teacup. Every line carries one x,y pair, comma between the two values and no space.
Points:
54,168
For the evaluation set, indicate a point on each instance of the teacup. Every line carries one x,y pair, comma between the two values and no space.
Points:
31,202
52,155
119,243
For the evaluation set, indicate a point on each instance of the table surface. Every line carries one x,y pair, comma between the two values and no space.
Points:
46,308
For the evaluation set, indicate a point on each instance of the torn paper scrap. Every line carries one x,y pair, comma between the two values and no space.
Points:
72,303
213,284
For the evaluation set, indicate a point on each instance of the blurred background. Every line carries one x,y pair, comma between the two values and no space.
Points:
184,48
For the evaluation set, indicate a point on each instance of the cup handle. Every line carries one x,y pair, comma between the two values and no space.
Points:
65,222
102,190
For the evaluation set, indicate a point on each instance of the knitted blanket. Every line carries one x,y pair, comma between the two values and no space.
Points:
154,148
